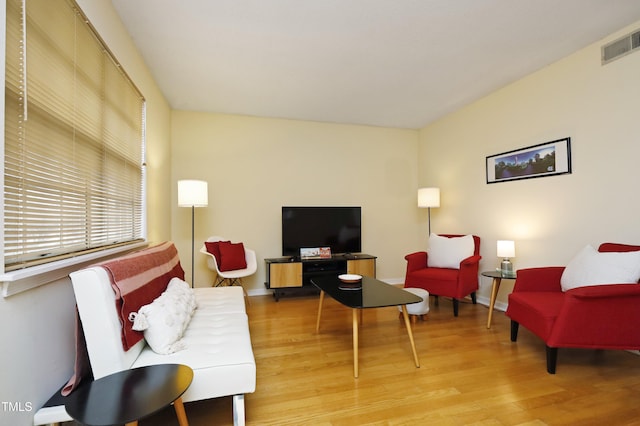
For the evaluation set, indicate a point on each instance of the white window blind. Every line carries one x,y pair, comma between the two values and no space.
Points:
74,138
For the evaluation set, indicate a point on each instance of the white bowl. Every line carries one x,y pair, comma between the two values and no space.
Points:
350,278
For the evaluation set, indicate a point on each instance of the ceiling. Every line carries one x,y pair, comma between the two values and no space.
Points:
392,63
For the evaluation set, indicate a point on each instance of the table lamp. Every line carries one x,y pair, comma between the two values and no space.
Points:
506,249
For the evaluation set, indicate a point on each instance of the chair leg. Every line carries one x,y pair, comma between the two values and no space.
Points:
552,359
514,330
435,299
473,297
238,410
455,307
246,295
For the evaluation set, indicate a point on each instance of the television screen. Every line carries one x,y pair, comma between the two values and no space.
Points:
309,227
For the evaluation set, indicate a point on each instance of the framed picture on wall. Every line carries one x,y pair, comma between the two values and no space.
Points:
545,159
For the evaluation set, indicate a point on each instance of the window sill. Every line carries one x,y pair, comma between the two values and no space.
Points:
21,280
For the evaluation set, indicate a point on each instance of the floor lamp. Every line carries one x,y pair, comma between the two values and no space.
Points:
427,198
192,193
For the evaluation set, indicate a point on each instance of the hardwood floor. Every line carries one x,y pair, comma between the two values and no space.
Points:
468,374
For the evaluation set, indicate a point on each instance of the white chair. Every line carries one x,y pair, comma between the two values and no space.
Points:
230,277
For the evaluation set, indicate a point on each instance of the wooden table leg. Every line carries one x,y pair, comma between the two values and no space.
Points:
182,415
319,311
407,323
495,286
355,343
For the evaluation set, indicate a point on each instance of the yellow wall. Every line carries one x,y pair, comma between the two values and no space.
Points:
254,166
549,218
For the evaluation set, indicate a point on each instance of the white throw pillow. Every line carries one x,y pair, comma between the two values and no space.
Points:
590,267
447,252
181,290
166,318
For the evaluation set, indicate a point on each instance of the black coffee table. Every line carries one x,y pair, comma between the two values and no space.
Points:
371,294
130,395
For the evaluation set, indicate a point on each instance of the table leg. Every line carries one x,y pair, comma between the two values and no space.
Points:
319,311
355,343
407,324
495,286
182,415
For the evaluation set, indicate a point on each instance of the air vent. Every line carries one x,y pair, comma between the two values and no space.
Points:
621,47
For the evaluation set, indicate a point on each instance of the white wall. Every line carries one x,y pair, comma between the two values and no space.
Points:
38,325
254,166
549,218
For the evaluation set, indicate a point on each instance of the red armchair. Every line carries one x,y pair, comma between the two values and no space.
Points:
454,283
596,317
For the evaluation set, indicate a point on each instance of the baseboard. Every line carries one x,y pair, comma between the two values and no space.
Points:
500,306
259,292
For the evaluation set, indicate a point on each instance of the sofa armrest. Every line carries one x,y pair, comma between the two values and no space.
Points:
417,260
602,316
539,279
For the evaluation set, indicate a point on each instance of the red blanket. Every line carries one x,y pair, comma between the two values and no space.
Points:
137,279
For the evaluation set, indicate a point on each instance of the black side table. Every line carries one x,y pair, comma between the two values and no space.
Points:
497,276
130,395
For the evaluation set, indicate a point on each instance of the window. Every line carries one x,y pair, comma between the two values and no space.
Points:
74,139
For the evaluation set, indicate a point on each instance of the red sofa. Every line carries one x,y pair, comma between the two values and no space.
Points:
596,317
454,283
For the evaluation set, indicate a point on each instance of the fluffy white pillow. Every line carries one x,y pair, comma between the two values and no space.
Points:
166,318
447,252
590,267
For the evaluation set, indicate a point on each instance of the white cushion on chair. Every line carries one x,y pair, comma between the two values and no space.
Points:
445,252
591,267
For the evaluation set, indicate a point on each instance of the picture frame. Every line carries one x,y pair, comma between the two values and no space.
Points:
541,160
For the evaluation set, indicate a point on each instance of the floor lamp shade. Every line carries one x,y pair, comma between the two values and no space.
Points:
193,193
429,197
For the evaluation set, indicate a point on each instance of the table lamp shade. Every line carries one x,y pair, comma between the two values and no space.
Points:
429,197
193,193
506,249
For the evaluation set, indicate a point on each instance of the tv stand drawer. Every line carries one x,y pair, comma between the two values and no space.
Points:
280,275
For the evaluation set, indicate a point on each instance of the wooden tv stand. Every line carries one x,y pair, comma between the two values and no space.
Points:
293,275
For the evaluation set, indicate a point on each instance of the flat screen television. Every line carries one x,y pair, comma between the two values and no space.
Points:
309,227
